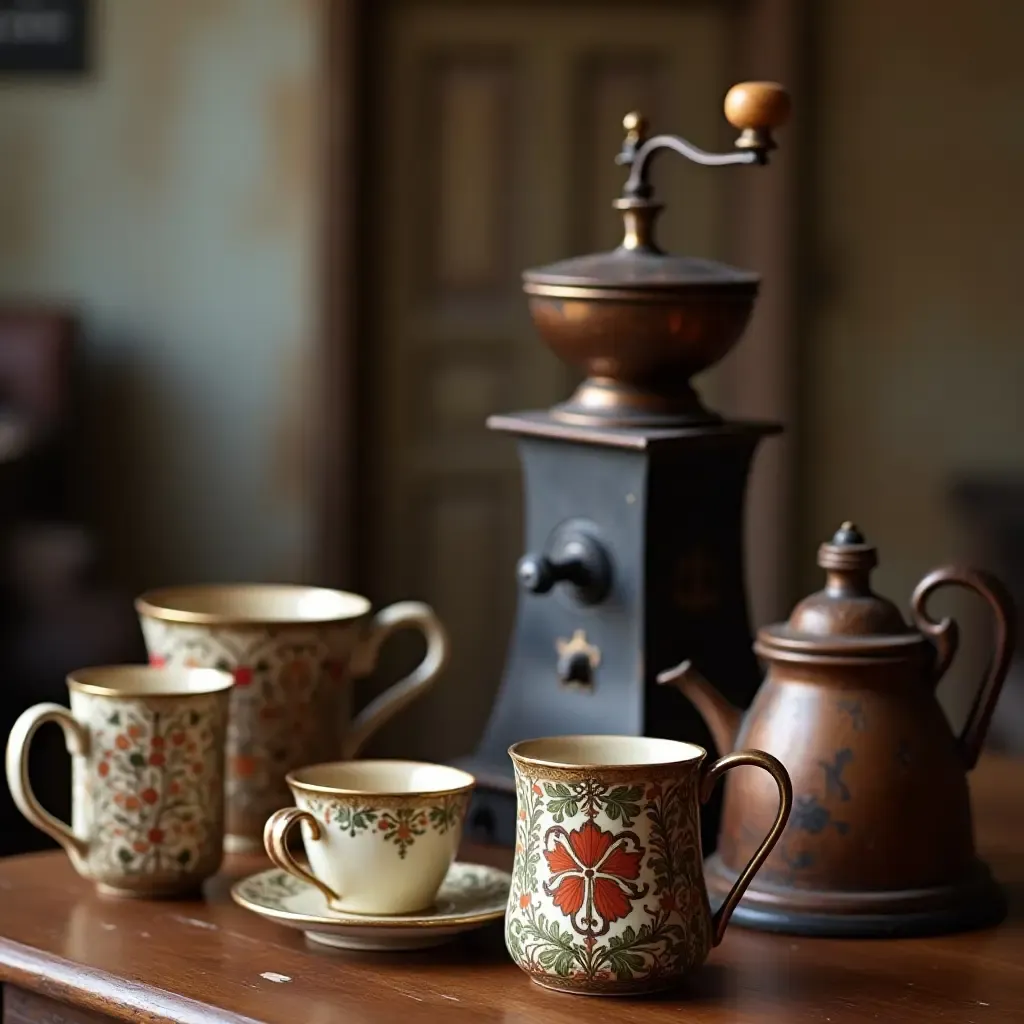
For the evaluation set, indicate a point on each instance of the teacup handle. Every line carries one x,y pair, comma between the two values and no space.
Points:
275,840
402,615
76,738
774,767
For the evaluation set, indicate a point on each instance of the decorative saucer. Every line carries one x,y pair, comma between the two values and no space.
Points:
470,896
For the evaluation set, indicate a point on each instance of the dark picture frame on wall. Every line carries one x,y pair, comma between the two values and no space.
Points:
44,38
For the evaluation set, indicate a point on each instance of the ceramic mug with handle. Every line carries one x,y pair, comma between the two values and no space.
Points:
147,752
608,893
294,652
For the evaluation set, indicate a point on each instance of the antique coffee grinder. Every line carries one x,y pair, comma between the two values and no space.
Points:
634,490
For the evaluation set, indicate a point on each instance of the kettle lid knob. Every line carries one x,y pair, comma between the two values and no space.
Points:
847,606
848,534
849,559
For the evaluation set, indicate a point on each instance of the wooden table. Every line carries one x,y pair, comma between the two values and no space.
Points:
69,955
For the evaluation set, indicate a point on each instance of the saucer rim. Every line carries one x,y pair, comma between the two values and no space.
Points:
407,922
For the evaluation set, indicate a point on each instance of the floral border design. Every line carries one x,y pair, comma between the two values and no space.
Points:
468,890
399,824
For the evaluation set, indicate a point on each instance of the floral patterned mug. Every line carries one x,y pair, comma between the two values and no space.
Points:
608,894
293,651
380,836
147,776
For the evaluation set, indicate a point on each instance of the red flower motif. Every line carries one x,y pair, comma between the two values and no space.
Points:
103,768
593,871
243,675
524,900
157,743
538,790
156,836
158,660
668,902
150,795
157,760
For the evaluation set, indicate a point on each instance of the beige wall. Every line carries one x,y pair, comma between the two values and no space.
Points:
914,365
169,197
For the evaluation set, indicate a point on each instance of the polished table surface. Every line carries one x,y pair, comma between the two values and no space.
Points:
67,954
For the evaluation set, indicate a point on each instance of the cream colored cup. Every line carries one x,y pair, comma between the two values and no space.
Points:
380,836
147,752
294,652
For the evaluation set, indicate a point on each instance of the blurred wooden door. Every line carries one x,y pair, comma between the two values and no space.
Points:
492,130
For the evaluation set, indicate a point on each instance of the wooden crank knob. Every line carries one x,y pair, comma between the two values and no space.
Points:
763,105
756,108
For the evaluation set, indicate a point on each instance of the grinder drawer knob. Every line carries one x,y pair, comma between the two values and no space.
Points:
536,573
578,560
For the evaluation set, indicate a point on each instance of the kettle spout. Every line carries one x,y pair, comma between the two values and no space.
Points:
722,719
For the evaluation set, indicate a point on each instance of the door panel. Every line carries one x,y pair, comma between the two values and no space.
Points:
495,127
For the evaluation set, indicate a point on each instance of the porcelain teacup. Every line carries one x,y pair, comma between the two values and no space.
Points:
379,835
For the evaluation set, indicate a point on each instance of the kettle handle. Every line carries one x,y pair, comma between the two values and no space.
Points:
945,635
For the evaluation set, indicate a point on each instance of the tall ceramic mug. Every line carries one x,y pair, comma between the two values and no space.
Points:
608,894
293,652
147,776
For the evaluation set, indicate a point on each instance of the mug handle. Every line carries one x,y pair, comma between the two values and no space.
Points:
275,840
774,767
76,738
402,615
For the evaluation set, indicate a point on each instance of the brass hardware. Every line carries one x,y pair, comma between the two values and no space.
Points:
680,314
577,660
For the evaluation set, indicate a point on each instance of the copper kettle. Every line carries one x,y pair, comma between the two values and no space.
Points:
880,839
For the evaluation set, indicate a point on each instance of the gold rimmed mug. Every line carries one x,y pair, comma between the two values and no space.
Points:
380,835
294,652
608,894
147,750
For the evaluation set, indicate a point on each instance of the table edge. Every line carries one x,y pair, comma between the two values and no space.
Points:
84,987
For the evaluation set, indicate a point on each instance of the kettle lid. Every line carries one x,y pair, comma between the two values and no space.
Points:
846,617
